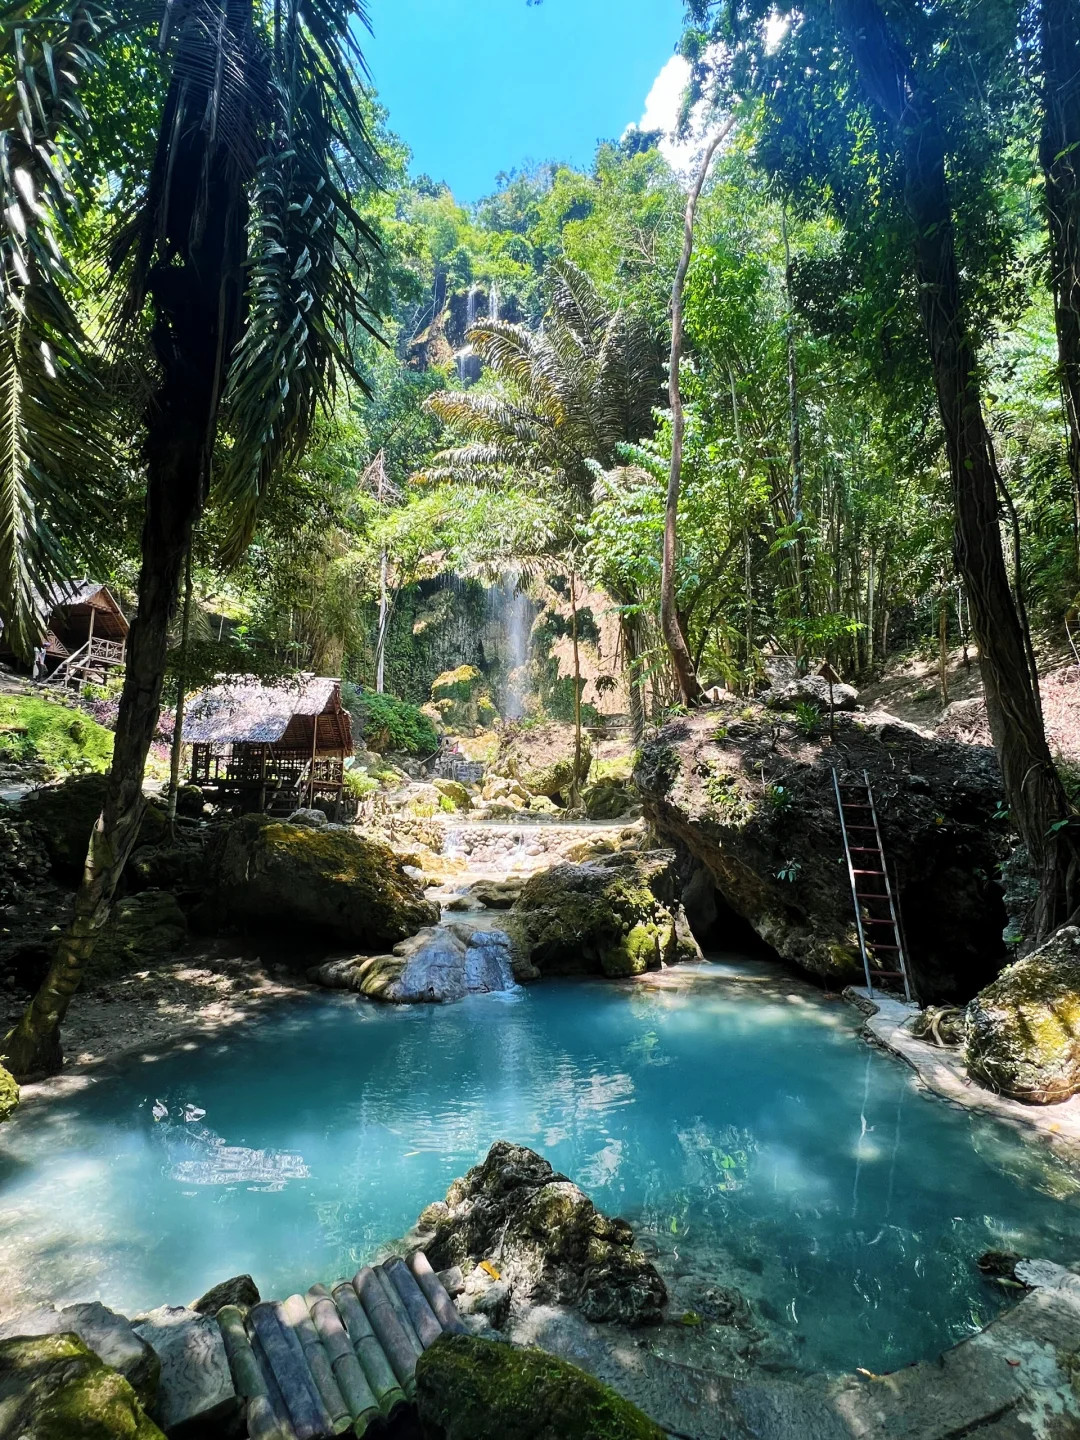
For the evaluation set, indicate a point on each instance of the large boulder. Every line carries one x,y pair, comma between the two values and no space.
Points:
541,757
747,800
439,965
473,1389
330,883
1023,1031
65,815
141,930
810,690
607,799
618,915
196,1387
463,701
544,1238
54,1387
109,1335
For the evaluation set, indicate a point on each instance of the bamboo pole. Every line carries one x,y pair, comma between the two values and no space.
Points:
420,1312
388,1329
377,1368
437,1296
297,1315
348,1372
399,1310
309,1415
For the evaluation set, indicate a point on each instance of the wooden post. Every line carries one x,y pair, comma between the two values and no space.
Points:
262,779
314,752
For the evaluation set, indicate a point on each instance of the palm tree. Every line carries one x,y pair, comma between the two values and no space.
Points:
566,397
237,271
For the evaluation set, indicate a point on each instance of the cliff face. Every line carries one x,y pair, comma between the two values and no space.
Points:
747,799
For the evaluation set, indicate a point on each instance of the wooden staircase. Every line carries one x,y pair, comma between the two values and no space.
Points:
876,916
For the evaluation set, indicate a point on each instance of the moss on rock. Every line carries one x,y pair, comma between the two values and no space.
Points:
141,930
607,799
462,700
472,1389
9,1095
1023,1031
614,915
65,816
52,1387
542,758
329,882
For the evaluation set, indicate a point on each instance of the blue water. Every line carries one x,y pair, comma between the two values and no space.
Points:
739,1122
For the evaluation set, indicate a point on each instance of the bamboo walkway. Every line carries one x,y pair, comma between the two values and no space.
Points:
340,1358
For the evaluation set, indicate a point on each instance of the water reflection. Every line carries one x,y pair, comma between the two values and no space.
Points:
740,1126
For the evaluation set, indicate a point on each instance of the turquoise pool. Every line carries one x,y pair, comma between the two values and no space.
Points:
739,1119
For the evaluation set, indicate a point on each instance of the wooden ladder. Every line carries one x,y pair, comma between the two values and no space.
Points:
864,852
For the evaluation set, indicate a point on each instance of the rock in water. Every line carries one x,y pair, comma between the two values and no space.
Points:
618,915
544,1237
9,1094
240,1290
324,882
472,1389
196,1383
1023,1031
439,965
54,1387
108,1335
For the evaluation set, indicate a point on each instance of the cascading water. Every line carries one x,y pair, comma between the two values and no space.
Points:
511,610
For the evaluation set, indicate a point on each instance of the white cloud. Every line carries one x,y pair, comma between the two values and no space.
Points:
662,107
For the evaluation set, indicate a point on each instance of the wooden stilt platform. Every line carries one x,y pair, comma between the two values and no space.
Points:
340,1359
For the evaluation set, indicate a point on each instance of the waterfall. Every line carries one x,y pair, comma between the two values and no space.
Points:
511,612
493,302
472,305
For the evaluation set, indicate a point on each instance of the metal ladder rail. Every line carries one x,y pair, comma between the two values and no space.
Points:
852,881
900,954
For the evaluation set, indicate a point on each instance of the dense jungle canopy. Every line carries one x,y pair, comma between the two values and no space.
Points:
231,308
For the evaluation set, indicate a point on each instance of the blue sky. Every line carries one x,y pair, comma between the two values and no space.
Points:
479,86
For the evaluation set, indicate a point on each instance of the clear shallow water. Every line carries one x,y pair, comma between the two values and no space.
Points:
740,1122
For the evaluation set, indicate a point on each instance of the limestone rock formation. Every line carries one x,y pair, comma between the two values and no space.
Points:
54,1387
1023,1031
140,930
810,690
196,1386
325,882
463,700
110,1336
65,814
24,860
542,758
439,965
618,915
747,799
543,1237
238,1290
474,1389
607,799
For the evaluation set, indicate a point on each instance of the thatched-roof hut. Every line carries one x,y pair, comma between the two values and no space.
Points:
270,746
83,630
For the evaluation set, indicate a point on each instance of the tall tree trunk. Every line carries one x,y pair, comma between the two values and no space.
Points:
1059,37
32,1048
177,749
1035,794
575,783
689,686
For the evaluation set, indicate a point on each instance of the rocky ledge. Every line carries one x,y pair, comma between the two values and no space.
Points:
745,795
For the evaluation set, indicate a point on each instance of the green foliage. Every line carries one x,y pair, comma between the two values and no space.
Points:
359,786
807,720
730,805
34,728
386,723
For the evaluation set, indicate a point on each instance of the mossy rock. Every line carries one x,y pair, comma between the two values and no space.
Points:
1023,1031
542,758
473,1389
65,816
9,1095
141,930
52,1387
614,916
329,883
607,799
462,700
453,790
